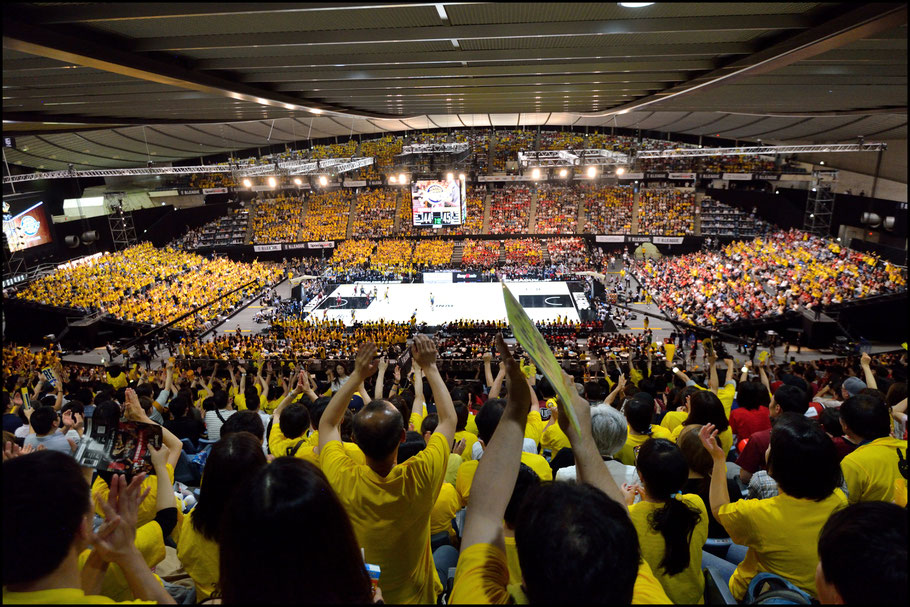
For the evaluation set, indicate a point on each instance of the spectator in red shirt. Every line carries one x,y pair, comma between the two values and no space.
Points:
752,459
752,415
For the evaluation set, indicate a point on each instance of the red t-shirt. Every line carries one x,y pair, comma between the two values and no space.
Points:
745,422
752,459
843,446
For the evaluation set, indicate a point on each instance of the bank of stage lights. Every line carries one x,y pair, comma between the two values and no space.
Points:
273,182
564,173
401,179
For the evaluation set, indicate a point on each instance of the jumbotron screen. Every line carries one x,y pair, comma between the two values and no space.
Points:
25,224
438,203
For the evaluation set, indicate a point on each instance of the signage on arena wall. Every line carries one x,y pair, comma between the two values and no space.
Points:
682,176
262,188
355,183
768,176
214,190
709,175
738,176
610,238
485,178
295,245
655,175
262,248
668,240
322,244
159,193
466,277
632,176
638,239
188,192
8,282
437,277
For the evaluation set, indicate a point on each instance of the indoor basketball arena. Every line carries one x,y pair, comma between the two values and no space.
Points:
457,302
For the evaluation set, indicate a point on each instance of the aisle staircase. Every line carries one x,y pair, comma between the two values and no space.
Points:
457,252
397,220
545,254
635,216
531,228
304,204
502,252
487,203
352,209
582,217
249,225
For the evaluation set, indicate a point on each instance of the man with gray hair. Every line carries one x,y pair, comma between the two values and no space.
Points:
608,426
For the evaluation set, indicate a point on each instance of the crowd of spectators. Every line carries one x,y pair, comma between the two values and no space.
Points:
433,253
557,209
383,151
609,209
351,253
508,144
509,210
523,251
392,255
375,213
569,253
561,140
481,253
326,216
666,211
765,277
229,229
637,495
277,219
212,180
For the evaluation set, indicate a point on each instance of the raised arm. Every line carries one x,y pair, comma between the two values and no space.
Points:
745,374
380,377
364,366
713,381
493,482
497,383
135,412
718,494
763,376
423,351
620,384
487,371
289,398
731,371
865,362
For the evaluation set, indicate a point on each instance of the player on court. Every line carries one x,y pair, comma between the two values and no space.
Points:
432,301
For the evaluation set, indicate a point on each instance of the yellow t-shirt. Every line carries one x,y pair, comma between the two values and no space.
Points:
673,418
781,533
554,439
471,426
62,596
447,505
687,586
900,492
148,508
534,427
627,453
469,440
199,556
512,561
415,420
870,471
279,443
452,467
466,472
150,542
118,382
484,577
391,516
726,437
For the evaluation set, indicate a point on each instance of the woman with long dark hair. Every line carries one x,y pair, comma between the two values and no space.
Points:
234,459
705,408
285,510
672,526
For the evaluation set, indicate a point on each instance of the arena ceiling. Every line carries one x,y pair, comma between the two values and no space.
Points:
117,84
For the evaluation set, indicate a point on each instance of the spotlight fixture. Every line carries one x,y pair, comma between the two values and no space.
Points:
272,182
298,181
450,176
247,183
393,179
535,174
323,180
461,176
402,178
563,173
592,172
620,170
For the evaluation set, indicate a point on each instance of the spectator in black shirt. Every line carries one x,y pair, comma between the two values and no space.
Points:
183,425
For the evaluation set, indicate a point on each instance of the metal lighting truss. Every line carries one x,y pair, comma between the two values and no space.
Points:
296,167
564,158
434,148
820,204
767,150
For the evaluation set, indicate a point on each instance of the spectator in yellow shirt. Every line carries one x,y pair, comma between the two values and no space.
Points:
390,503
862,553
234,459
287,508
587,524
871,469
781,532
43,567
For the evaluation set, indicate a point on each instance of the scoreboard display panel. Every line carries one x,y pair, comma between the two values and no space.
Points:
438,203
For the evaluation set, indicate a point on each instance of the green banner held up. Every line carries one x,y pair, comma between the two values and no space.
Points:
536,346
